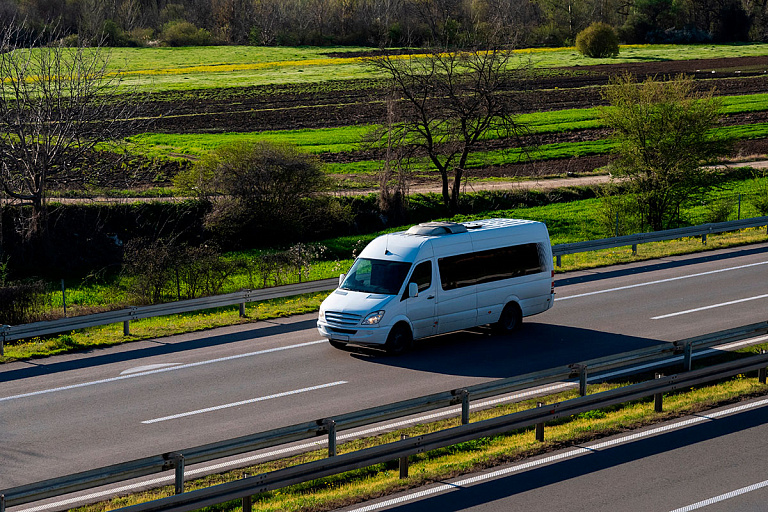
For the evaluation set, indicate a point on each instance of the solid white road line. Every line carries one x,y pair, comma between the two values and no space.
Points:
713,306
244,402
723,497
660,281
147,368
159,370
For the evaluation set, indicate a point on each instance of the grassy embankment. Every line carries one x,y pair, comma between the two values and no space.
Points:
567,222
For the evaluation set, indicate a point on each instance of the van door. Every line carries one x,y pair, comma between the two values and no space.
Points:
456,299
421,309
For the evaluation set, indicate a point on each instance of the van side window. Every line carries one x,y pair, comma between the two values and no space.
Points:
422,275
492,265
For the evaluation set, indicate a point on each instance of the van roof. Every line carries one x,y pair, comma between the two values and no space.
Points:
405,245
449,228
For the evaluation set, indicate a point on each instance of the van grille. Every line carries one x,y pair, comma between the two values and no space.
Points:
342,319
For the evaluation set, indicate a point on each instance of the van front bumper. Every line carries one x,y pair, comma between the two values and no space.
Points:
361,335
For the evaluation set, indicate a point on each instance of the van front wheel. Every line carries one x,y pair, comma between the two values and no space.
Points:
510,320
338,344
399,340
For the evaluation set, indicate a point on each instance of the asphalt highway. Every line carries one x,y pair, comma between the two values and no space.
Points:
74,412
711,462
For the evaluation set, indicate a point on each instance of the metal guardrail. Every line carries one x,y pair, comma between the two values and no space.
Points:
328,426
17,332
246,487
656,236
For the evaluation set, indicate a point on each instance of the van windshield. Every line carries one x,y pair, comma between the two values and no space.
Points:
376,276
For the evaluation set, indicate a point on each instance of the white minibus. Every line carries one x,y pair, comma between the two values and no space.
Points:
439,277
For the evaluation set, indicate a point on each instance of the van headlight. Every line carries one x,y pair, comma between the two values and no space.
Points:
321,316
373,318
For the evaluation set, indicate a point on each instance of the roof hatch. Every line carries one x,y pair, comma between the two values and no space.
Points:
437,228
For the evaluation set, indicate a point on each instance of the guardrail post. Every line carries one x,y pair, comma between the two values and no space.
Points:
634,249
540,426
688,357
330,425
242,310
403,462
247,500
559,260
704,239
761,373
64,298
178,465
127,328
658,398
464,407
4,330
582,370
2,502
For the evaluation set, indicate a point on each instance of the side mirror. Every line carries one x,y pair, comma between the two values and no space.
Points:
413,290
341,279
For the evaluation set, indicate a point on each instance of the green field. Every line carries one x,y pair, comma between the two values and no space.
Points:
349,138
178,69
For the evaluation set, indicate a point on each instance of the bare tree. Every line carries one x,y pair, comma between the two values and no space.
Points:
449,102
57,106
395,174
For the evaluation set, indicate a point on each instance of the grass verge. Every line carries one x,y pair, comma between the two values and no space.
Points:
383,479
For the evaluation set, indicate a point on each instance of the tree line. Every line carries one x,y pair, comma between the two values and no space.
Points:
385,22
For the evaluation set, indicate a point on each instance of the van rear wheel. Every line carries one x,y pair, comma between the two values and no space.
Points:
510,320
399,340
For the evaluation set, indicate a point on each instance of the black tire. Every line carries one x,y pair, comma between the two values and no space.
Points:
510,320
399,340
341,345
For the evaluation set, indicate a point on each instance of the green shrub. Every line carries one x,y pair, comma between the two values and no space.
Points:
759,196
183,33
159,270
22,302
254,187
719,210
617,212
140,36
599,40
